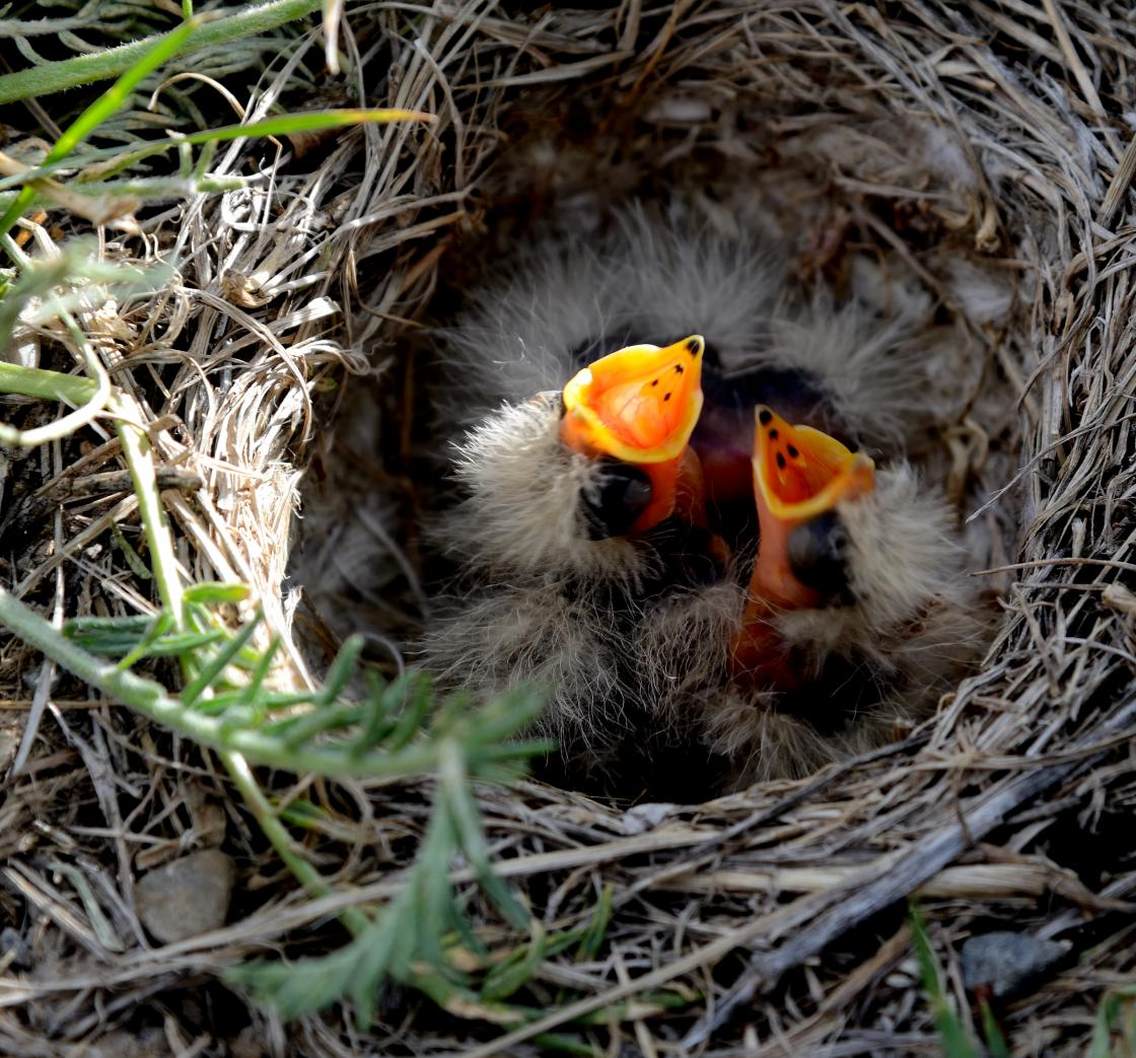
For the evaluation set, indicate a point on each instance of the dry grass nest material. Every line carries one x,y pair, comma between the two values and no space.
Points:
775,915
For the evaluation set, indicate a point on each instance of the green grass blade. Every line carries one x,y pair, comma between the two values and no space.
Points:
210,593
309,121
216,665
995,1042
103,65
560,1043
596,931
277,125
951,1030
46,385
118,95
103,108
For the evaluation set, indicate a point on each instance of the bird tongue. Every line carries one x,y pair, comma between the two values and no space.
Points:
798,474
640,405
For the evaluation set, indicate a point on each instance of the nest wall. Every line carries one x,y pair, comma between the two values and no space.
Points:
991,140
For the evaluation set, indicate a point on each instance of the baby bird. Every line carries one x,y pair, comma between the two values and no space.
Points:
580,507
664,564
858,615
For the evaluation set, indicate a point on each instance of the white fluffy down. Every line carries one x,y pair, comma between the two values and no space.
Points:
521,512
541,601
652,280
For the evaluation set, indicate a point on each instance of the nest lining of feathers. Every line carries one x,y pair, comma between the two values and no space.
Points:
975,159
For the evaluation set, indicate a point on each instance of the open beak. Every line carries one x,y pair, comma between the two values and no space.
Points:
798,474
640,405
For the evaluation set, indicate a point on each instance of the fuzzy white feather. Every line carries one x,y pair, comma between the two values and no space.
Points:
520,538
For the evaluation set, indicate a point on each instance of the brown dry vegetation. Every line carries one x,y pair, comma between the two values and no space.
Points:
769,922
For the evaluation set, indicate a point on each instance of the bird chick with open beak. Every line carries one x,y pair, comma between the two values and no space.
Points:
858,614
589,536
577,504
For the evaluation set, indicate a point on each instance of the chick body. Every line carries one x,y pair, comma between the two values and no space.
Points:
630,632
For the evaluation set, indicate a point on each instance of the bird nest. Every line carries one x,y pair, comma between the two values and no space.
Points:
981,156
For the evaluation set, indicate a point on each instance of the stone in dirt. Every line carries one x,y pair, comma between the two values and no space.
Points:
1008,963
187,897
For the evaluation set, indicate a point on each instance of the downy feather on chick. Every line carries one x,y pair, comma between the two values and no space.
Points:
893,625
632,628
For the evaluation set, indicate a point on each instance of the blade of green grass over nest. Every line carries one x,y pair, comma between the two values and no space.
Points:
955,1040
106,106
50,77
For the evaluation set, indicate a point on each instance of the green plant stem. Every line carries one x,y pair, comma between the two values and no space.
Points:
139,459
100,66
140,462
97,402
268,821
46,385
152,700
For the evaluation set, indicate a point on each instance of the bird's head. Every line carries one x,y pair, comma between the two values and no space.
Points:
636,410
800,477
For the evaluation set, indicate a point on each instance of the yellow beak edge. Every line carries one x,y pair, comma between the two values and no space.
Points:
639,404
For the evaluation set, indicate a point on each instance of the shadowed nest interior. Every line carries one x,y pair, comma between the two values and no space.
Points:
956,153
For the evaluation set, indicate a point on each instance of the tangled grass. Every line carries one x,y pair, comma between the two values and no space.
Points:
297,270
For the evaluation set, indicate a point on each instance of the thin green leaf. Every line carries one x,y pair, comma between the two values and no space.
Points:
341,670
216,665
134,624
1108,1013
210,593
106,106
951,1031
596,930
252,693
118,95
249,23
45,385
455,796
509,976
277,125
158,627
559,1043
133,559
995,1042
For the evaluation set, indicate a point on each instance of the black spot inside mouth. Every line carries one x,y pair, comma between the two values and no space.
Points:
793,453
780,461
765,417
678,369
666,397
694,346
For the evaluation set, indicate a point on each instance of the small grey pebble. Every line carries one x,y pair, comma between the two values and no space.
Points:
187,897
1007,962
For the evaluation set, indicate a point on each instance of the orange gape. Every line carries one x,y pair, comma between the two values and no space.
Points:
798,474
640,405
